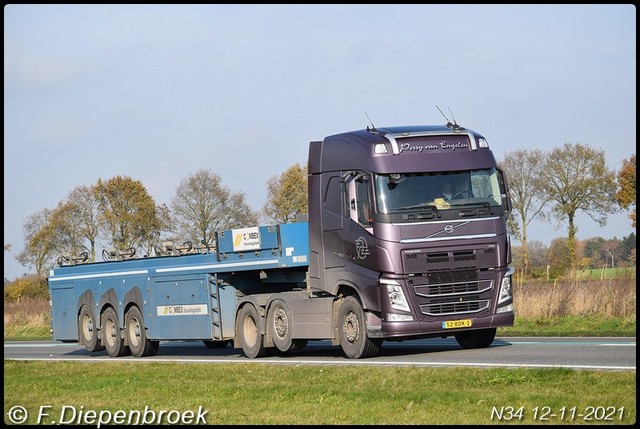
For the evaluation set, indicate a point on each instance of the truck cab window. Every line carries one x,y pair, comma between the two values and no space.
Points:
405,192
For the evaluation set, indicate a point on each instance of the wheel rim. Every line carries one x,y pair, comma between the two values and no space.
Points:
87,327
134,332
351,327
280,323
111,333
250,331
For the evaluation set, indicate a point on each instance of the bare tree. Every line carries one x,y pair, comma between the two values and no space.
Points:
537,255
203,205
576,178
610,248
522,169
287,195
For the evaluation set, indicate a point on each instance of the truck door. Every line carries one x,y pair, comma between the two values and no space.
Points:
358,232
332,221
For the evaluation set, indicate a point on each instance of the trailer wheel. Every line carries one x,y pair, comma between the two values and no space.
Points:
88,330
352,331
136,334
476,339
111,337
279,325
251,340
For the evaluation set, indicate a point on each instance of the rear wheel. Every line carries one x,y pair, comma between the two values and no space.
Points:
88,330
251,341
476,339
111,335
279,325
352,331
136,334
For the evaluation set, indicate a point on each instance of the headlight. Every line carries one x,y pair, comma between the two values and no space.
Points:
505,288
396,295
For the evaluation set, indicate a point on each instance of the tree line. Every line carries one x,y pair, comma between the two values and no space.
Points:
596,253
547,186
554,186
121,213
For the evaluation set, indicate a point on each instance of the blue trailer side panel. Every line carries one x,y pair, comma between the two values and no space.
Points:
179,307
180,297
64,312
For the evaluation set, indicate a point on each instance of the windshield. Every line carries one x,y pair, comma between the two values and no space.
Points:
398,192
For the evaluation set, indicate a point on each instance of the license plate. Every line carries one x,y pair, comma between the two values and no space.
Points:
449,324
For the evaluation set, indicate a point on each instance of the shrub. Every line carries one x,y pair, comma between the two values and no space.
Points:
26,287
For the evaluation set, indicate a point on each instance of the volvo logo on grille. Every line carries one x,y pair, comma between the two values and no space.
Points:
448,229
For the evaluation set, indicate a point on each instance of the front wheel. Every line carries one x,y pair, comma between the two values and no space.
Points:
251,341
476,339
279,326
352,331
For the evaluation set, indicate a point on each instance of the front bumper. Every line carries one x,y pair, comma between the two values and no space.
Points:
377,328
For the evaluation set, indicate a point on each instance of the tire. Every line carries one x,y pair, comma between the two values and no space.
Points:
154,345
279,322
88,330
352,331
136,334
215,344
476,339
111,336
251,341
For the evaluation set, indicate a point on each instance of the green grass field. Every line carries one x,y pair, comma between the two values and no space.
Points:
254,393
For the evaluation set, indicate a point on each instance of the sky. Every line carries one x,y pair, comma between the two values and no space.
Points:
158,92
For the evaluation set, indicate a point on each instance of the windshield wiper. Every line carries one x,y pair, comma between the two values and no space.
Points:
423,206
481,203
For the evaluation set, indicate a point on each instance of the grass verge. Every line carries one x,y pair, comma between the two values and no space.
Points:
255,393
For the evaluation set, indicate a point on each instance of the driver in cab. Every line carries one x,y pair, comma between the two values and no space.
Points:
446,190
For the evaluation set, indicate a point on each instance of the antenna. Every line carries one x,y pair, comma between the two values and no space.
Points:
373,127
449,124
453,125
454,119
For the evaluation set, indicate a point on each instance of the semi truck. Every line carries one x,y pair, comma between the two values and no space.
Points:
381,256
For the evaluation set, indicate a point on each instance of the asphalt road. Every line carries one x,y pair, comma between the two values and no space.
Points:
602,353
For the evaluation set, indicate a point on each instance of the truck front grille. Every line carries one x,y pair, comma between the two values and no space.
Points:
452,288
424,262
454,308
450,283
